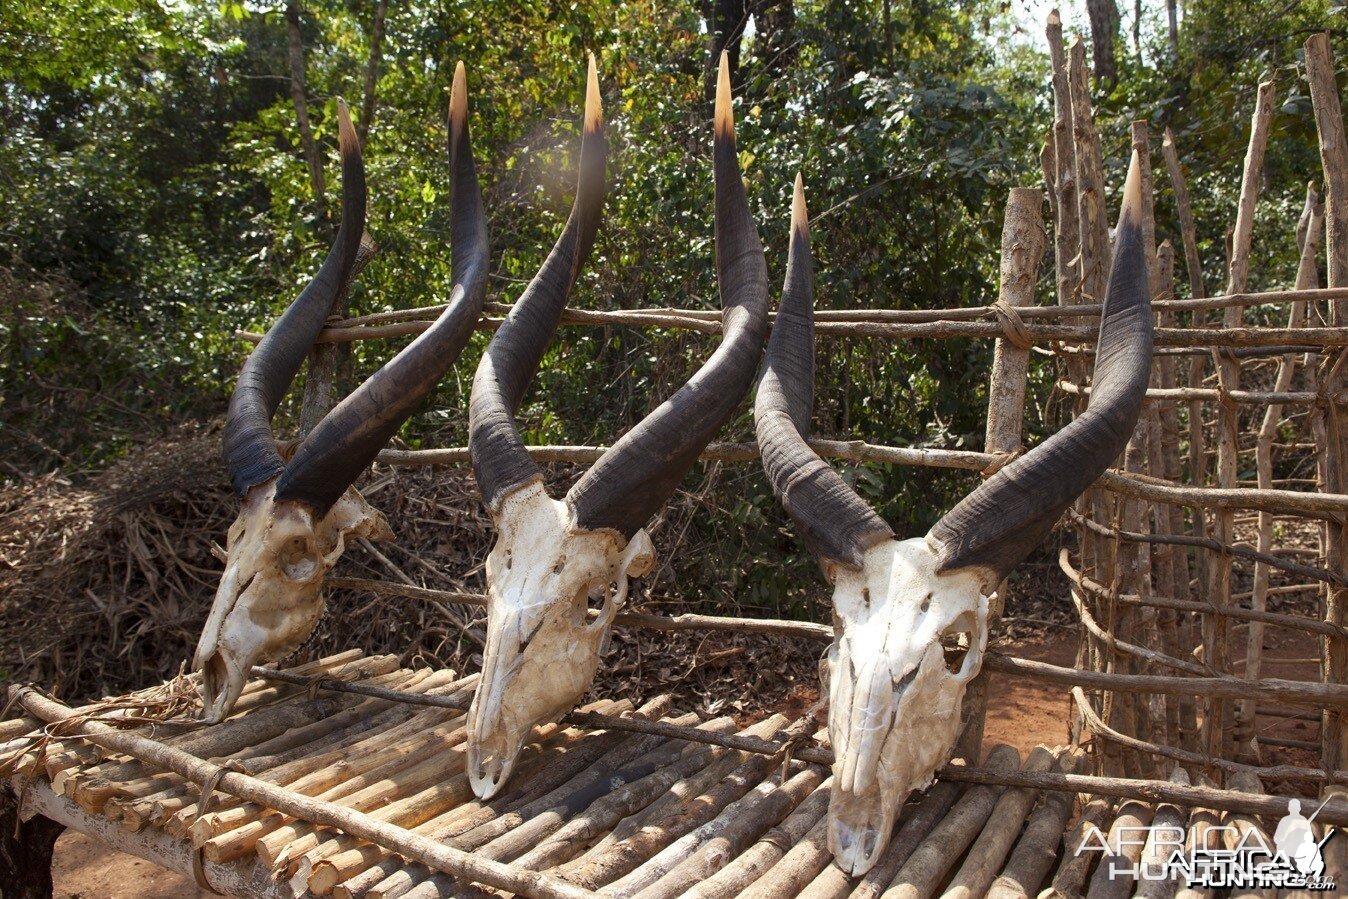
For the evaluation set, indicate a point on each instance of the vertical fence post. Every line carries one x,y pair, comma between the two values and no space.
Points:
1312,220
1172,576
325,359
1140,622
1330,432
1023,244
1197,454
1217,633
1093,250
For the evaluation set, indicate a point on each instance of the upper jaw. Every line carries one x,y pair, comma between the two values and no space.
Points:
894,706
533,672
222,682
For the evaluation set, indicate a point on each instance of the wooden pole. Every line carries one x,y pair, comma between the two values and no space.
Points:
938,853
1312,221
998,836
1023,243
1320,72
1037,849
1216,635
1197,456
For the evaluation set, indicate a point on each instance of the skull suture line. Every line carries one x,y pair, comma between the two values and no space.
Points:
553,560
899,604
297,516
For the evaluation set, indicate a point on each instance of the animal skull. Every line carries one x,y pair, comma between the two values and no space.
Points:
555,562
894,701
271,594
297,514
545,576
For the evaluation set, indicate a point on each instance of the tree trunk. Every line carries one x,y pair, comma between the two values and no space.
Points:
1172,15
776,27
25,851
372,72
298,94
725,26
1104,29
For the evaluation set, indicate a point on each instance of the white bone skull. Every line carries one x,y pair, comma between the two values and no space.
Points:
271,594
544,575
894,703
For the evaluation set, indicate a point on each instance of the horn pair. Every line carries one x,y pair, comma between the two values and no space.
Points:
349,437
997,525
633,478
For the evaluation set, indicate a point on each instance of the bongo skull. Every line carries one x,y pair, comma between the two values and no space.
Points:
297,516
911,616
559,571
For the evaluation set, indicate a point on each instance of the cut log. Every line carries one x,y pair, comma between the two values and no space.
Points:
922,874
627,854
1037,849
1075,867
913,829
702,852
999,834
1166,837
771,846
1113,878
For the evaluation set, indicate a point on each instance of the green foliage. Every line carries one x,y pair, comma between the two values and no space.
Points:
155,198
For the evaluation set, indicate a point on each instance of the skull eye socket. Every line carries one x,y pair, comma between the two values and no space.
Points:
959,642
597,597
298,562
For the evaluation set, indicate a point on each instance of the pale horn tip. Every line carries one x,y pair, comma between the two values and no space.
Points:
594,110
725,116
347,141
1130,213
458,102
800,216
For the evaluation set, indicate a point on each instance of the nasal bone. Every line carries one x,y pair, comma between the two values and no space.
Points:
872,718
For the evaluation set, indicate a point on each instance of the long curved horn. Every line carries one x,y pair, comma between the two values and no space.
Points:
836,524
998,524
348,438
635,477
500,461
250,450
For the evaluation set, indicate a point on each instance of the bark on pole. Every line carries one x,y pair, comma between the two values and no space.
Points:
1066,228
1330,432
1093,253
1172,576
1312,221
1217,631
1067,250
1197,456
299,95
1131,623
1092,216
1023,243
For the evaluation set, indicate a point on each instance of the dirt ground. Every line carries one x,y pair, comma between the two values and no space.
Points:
1021,712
